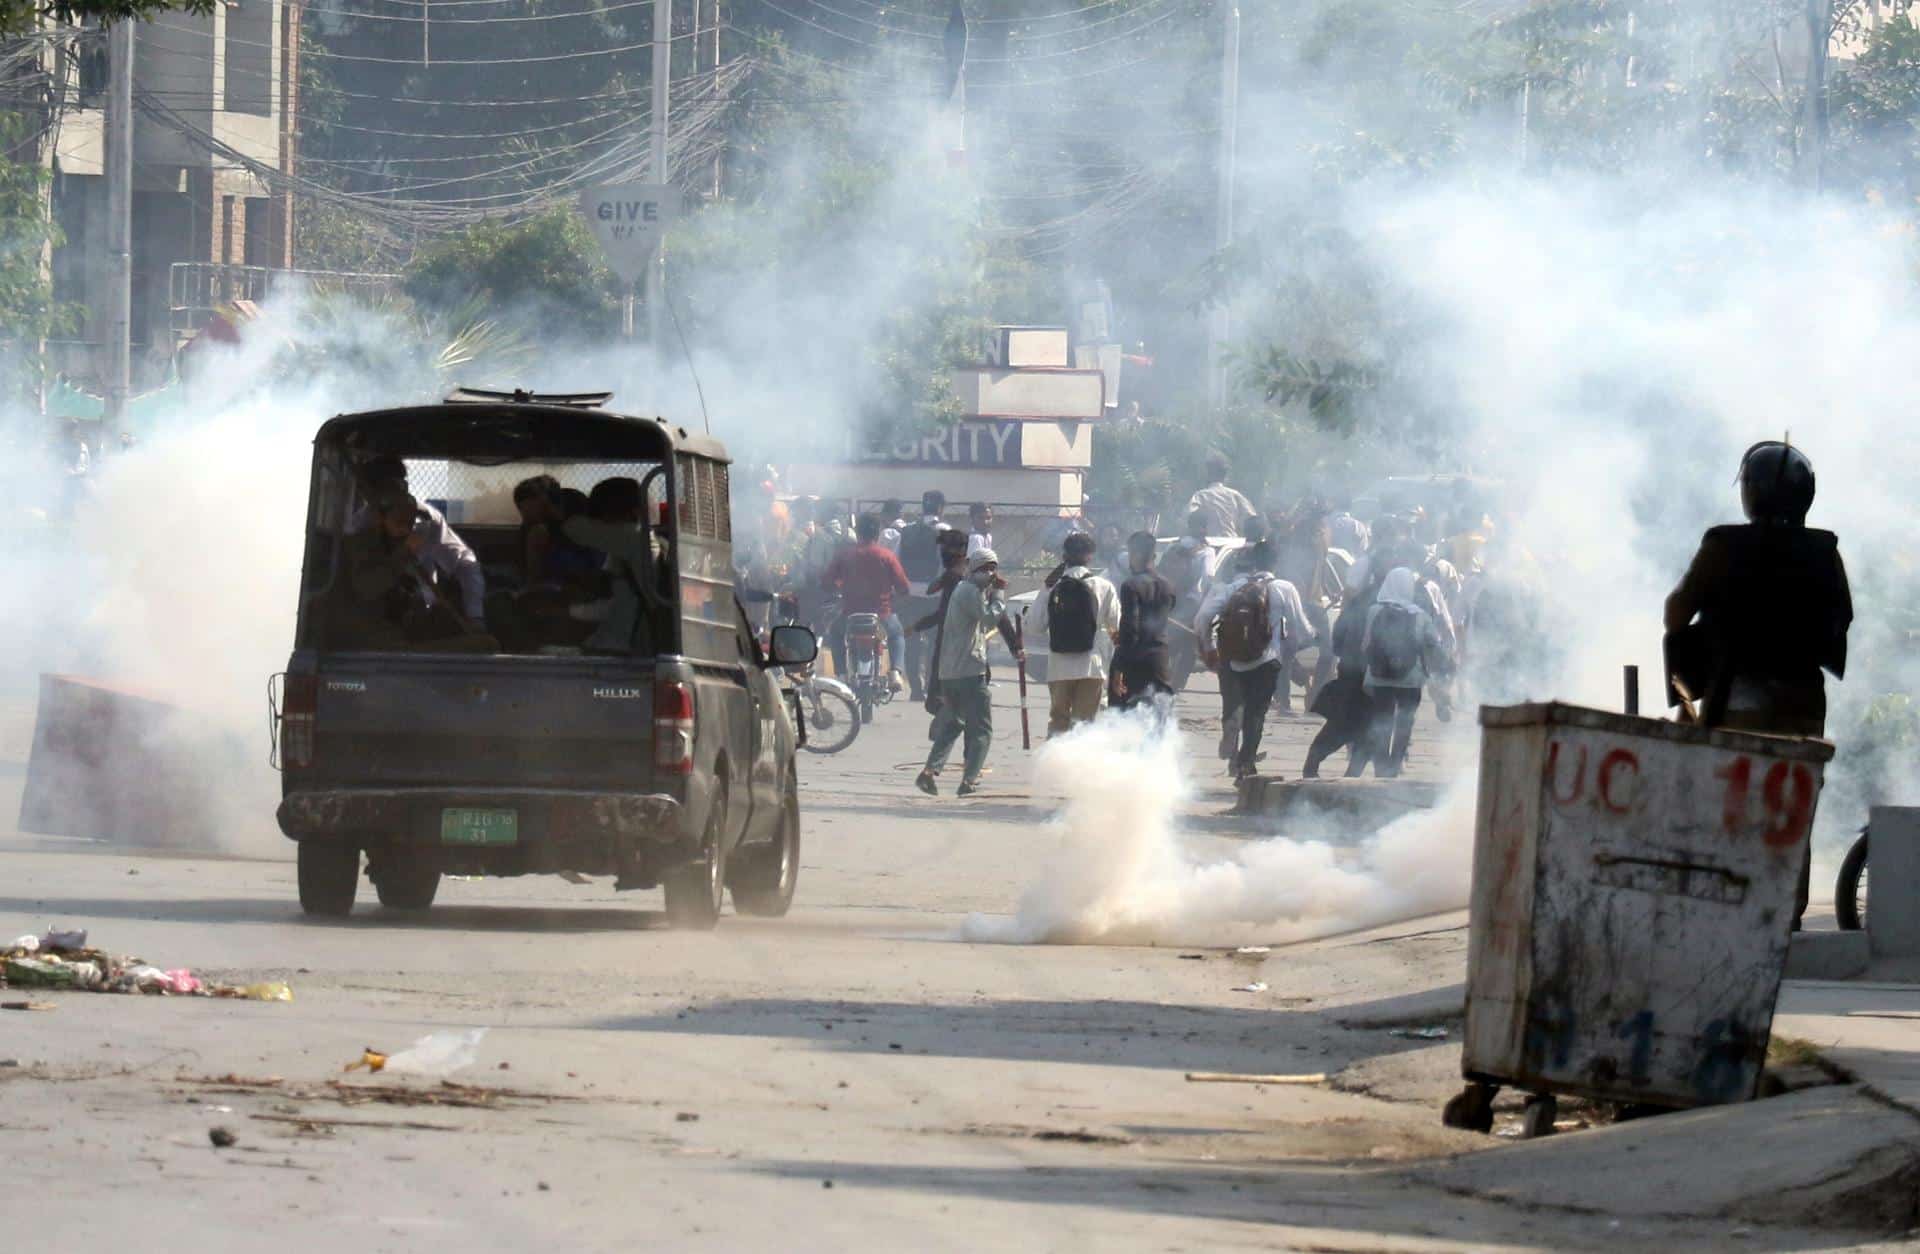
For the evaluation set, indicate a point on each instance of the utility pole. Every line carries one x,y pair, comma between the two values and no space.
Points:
662,71
1819,33
1221,319
119,177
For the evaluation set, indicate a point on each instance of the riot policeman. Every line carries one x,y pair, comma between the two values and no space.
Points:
1762,610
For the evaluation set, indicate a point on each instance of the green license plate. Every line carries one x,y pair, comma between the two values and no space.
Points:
479,827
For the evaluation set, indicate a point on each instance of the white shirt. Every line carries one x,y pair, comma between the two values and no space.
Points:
1288,618
1091,665
977,540
890,535
1349,533
1225,509
1205,563
444,552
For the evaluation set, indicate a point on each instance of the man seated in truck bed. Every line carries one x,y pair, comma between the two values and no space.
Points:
389,596
611,525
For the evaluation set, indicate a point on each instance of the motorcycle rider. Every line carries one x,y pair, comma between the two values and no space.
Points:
868,577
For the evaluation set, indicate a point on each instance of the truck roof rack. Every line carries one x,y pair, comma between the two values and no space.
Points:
520,396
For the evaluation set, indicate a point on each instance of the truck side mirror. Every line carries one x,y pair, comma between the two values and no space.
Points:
792,645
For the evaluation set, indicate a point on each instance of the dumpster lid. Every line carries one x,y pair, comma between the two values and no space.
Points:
1554,713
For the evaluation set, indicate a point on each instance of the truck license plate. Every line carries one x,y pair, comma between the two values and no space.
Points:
479,827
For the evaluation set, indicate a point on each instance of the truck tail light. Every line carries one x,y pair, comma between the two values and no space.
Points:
673,728
298,714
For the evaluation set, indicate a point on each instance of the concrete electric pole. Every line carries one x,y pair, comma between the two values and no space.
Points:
662,72
119,178
1221,320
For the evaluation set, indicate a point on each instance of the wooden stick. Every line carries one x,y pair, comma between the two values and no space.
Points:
317,1121
1234,1077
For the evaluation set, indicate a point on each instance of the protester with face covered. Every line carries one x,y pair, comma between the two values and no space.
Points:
977,604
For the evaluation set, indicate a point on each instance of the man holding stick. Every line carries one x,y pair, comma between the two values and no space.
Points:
973,611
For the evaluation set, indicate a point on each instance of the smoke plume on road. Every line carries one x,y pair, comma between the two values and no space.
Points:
1123,872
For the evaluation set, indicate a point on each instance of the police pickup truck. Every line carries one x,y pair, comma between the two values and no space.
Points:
606,711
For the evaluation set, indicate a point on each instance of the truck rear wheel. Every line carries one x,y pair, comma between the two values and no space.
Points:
404,883
329,875
764,876
695,891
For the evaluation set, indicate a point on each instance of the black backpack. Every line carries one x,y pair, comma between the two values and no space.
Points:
920,551
1393,641
1073,616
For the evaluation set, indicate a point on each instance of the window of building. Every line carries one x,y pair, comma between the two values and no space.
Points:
259,237
249,57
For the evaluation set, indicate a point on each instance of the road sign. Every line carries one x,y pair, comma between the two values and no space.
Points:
629,219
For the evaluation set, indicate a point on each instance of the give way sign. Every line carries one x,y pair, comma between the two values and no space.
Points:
629,219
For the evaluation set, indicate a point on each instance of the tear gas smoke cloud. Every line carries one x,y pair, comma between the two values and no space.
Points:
1610,355
1122,873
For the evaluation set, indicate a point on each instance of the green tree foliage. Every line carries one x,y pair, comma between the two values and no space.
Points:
543,275
1876,108
22,15
28,311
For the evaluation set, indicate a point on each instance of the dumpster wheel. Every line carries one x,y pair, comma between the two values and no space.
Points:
1472,1108
1542,1110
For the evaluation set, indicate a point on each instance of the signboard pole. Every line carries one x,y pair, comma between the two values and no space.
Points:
628,219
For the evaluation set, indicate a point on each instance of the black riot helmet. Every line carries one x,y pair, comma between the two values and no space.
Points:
1776,483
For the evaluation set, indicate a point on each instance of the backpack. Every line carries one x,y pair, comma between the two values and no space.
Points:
920,551
1246,627
1073,616
1393,641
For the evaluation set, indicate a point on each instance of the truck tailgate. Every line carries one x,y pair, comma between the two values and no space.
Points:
391,720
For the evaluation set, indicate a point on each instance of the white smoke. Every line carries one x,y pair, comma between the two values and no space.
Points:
1123,873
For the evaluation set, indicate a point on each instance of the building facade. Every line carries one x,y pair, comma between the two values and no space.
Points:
214,138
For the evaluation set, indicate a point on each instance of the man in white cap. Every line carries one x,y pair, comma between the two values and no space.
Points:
976,605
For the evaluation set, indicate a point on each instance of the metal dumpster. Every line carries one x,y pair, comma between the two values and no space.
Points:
1633,891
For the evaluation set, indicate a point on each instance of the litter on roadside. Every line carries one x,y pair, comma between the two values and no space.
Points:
1235,1077
1253,951
1419,1034
438,1054
1258,986
62,960
370,1059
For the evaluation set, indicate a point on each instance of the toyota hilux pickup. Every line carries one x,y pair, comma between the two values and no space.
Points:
518,651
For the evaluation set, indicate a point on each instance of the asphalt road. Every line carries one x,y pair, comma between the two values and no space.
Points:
852,1076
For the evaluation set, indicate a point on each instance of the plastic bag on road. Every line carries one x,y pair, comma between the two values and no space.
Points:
440,1054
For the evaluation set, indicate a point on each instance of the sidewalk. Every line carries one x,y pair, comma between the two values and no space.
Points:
1870,1030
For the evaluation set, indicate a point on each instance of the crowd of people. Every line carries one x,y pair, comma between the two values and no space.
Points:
1366,613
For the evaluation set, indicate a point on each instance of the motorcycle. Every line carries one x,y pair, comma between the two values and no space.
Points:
871,685
1850,890
829,707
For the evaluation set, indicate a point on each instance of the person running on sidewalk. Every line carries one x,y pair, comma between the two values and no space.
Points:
1141,656
1248,628
1079,615
1403,648
966,692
